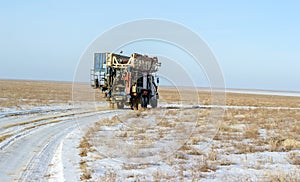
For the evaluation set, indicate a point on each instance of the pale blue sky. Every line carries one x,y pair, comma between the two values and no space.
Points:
257,43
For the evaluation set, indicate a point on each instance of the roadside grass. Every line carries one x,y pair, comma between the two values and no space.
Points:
242,132
20,93
294,158
16,93
4,137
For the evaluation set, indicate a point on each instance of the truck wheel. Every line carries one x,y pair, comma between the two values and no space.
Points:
120,105
111,105
144,102
153,103
134,105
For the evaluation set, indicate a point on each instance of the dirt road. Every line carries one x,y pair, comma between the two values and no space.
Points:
30,143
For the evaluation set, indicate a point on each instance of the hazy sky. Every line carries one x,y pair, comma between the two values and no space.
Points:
257,43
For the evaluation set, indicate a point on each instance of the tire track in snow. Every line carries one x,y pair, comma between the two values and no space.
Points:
183,106
21,129
28,157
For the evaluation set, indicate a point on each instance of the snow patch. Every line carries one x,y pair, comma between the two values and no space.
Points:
56,171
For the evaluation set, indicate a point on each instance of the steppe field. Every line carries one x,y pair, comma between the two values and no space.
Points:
56,131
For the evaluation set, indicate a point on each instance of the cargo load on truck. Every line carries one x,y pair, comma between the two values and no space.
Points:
126,80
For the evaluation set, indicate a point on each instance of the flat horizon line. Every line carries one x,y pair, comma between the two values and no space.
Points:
236,90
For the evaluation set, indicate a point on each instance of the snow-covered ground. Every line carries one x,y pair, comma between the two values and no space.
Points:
144,147
265,92
41,143
187,106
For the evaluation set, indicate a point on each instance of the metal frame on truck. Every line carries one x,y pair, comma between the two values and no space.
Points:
126,80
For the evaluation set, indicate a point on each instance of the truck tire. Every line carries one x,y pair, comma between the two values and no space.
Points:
120,105
153,103
111,105
134,104
144,102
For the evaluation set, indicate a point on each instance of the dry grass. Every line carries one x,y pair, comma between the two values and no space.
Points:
262,130
109,176
232,99
85,172
84,146
39,120
4,137
294,158
242,132
251,131
24,92
16,93
254,131
282,176
261,100
20,92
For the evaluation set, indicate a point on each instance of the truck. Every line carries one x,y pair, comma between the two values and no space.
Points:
126,80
